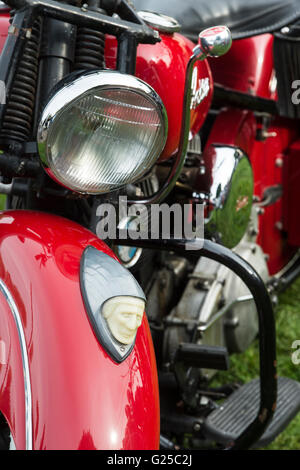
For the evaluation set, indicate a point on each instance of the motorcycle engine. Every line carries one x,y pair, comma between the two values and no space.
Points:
215,307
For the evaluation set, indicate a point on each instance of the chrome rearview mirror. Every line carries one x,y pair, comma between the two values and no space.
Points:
215,41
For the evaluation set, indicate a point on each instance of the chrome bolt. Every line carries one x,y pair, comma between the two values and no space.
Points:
285,30
260,211
12,29
197,427
253,232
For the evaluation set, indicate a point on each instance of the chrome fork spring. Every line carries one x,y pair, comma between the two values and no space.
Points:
17,121
89,49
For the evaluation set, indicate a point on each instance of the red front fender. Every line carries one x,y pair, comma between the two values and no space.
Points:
78,397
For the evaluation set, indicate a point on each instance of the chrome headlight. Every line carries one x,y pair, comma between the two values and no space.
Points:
101,131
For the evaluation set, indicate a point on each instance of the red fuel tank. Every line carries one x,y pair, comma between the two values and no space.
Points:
163,66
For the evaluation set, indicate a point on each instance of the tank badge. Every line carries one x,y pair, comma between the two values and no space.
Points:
200,89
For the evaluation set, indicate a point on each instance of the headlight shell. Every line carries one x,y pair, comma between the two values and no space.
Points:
114,301
101,131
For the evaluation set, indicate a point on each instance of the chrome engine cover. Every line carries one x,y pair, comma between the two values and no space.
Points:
241,321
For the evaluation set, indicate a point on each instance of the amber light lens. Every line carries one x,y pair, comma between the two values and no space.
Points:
114,302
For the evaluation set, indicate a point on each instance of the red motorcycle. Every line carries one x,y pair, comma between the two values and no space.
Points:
242,166
99,102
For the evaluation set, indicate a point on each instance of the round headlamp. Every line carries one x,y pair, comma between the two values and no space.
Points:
101,131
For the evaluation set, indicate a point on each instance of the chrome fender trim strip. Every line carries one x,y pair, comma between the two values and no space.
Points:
27,385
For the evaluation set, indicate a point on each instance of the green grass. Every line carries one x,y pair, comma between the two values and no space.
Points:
2,202
244,366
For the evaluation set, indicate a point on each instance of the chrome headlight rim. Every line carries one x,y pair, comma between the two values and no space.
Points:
77,85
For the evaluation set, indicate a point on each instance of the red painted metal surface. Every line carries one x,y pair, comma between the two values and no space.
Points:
234,127
4,24
291,220
269,159
163,66
81,399
247,67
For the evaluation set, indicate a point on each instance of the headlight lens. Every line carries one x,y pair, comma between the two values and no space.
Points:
114,302
102,131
